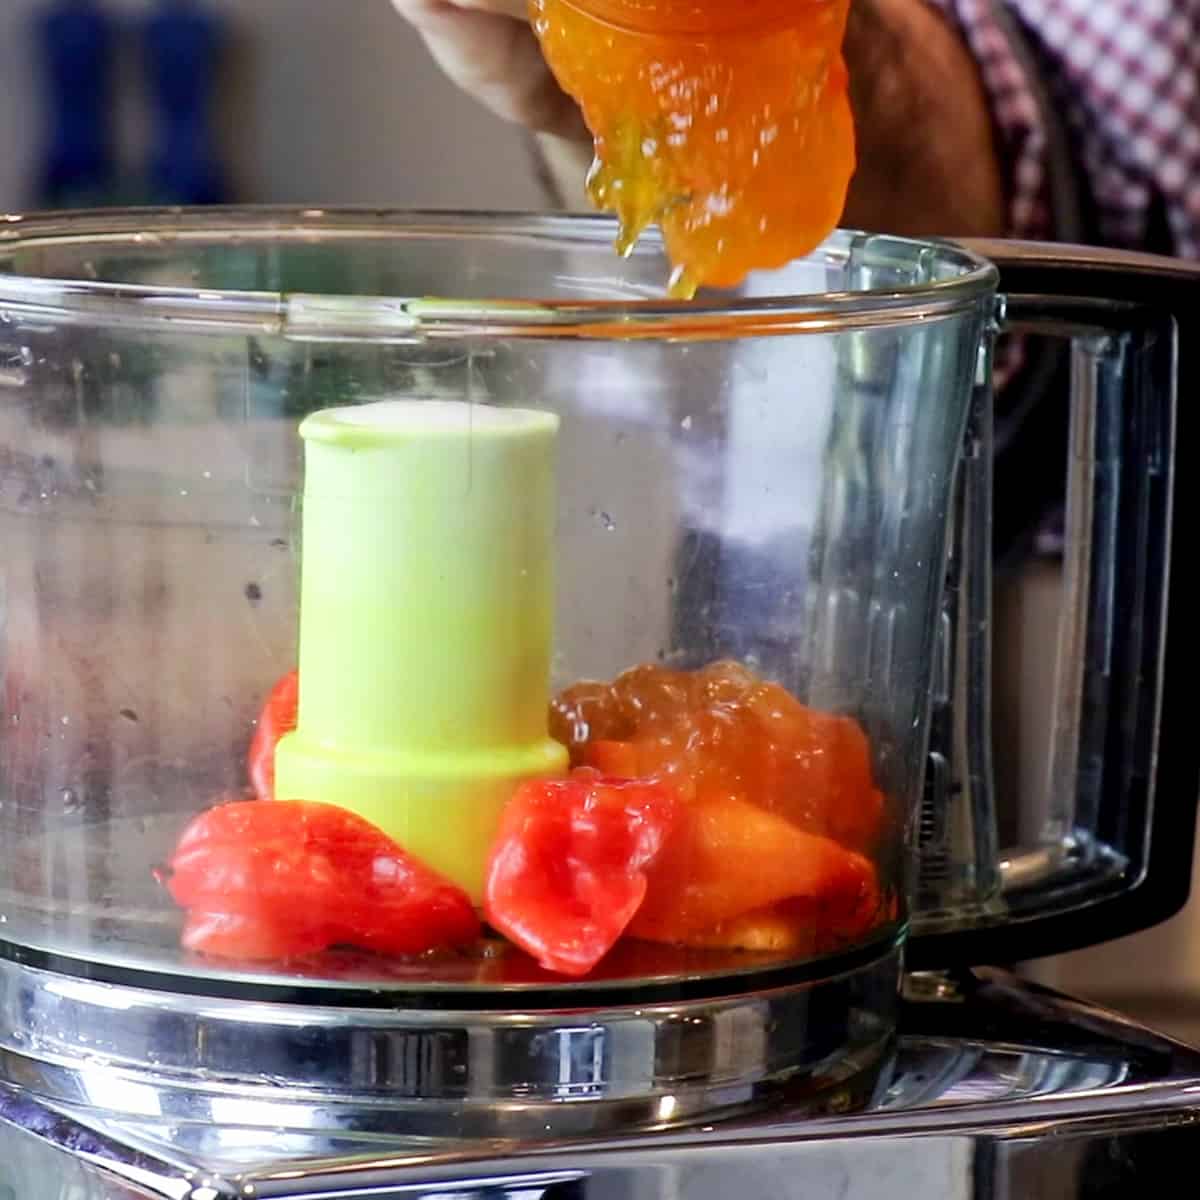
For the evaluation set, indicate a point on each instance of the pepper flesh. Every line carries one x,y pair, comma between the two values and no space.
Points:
278,717
727,858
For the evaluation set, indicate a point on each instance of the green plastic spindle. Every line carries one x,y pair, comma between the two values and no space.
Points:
426,621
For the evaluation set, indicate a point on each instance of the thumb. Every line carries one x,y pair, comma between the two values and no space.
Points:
487,48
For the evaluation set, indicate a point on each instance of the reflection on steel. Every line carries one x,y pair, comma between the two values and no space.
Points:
1021,1094
132,1053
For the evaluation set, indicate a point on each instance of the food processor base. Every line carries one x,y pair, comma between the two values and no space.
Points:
444,1072
993,1089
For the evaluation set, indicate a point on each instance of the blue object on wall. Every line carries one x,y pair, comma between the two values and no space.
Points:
75,44
183,44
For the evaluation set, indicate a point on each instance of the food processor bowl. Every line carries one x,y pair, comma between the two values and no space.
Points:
526,528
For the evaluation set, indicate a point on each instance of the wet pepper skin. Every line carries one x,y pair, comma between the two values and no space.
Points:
568,871
264,881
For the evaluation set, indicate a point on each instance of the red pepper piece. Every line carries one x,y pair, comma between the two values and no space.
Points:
286,878
568,870
278,717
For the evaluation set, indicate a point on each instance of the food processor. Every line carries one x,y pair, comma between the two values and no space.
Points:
474,726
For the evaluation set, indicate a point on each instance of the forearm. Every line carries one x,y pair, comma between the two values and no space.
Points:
927,161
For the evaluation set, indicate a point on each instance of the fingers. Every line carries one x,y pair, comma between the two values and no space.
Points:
487,48
518,10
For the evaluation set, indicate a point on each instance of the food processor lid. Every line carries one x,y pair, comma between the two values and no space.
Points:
40,255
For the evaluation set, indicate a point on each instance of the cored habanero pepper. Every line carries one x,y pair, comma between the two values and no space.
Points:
278,717
275,880
567,871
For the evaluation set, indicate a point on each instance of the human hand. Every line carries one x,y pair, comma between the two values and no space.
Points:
488,49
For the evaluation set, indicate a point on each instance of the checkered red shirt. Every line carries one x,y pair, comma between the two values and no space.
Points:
1124,76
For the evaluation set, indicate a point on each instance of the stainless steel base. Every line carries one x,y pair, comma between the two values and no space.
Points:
995,1090
123,1052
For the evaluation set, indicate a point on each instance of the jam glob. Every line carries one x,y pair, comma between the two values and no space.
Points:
778,806
722,733
728,124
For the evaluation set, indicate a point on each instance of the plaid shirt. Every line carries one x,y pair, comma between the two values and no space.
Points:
1096,106
1124,77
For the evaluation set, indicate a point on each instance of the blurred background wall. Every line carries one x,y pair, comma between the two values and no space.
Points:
320,102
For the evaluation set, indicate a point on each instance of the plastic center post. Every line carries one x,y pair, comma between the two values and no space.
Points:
426,621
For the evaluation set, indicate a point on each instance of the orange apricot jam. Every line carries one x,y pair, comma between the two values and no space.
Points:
727,123
780,810
722,732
